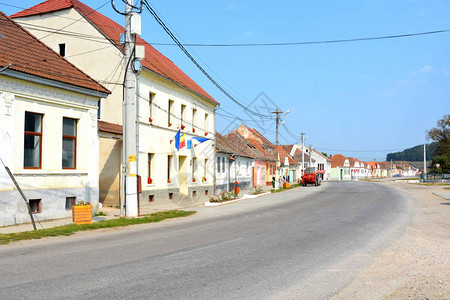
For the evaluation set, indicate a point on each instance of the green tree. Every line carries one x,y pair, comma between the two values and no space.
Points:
441,135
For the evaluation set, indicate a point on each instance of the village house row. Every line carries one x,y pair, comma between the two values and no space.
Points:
61,123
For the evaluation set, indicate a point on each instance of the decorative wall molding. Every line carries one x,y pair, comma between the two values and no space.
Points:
34,92
8,99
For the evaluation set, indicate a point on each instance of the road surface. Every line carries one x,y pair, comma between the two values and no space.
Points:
305,243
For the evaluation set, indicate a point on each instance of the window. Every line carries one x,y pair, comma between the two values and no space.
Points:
149,166
69,145
205,171
33,141
206,121
151,198
194,116
99,105
218,164
35,205
169,113
183,111
70,202
194,167
62,49
151,97
169,166
223,164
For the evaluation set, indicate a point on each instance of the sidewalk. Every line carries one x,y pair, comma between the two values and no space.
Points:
48,224
112,213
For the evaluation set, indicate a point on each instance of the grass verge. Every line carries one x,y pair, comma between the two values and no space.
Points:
292,186
433,183
70,229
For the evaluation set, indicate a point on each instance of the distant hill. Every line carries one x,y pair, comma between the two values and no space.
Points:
413,154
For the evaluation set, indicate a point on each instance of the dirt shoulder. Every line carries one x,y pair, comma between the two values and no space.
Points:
417,266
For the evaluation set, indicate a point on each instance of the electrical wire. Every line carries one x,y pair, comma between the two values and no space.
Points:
59,16
310,42
172,36
295,137
36,40
198,56
362,151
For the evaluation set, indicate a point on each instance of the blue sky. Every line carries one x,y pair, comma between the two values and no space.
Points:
361,97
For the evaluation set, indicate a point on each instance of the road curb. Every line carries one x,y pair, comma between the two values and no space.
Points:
235,200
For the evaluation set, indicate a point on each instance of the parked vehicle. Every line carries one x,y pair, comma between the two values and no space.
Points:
311,176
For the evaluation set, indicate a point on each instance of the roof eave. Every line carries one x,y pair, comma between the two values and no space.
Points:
53,83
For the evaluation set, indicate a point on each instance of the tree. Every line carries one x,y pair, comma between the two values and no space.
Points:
441,135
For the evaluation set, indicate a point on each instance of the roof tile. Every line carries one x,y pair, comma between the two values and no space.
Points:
22,52
154,60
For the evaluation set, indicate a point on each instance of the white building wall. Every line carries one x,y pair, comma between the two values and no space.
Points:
50,183
95,55
103,61
157,137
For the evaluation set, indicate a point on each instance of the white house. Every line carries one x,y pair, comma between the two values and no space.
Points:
168,101
48,129
234,164
318,160
340,167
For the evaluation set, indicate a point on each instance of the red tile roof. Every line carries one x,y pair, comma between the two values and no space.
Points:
244,147
372,164
283,154
22,52
337,160
298,154
109,127
154,60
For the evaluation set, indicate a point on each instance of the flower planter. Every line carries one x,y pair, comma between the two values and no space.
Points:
82,214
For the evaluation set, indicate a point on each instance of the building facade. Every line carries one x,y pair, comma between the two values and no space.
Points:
168,101
48,130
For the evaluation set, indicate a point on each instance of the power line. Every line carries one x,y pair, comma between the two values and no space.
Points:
310,42
36,40
59,16
199,57
359,150
172,36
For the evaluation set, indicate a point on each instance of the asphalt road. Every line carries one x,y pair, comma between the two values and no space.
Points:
306,243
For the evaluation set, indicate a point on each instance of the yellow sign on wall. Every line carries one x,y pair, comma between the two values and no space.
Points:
132,165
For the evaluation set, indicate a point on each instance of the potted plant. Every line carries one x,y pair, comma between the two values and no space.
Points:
204,179
193,179
193,130
82,212
169,181
150,120
182,127
149,180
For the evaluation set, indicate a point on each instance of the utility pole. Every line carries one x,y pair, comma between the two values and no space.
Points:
277,113
303,152
310,154
129,153
424,161
277,122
